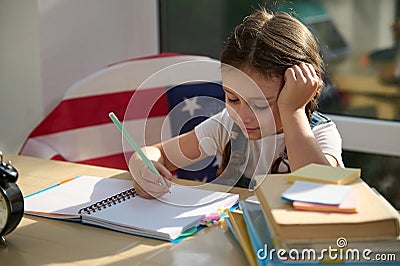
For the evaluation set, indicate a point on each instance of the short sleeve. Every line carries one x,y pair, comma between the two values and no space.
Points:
213,133
329,139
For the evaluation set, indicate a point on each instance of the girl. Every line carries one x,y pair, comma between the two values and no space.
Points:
272,77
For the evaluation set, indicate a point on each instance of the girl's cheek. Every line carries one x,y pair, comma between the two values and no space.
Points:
267,124
232,113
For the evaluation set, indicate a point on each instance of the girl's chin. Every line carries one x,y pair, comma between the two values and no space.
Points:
256,134
252,134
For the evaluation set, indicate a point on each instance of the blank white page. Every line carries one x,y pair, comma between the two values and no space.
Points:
69,197
158,217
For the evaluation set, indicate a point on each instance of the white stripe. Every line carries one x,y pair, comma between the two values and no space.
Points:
130,75
102,140
369,135
39,149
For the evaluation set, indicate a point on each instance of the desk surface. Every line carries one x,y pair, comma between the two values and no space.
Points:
40,241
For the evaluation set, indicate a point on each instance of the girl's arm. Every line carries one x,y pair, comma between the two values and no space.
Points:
166,156
301,83
180,151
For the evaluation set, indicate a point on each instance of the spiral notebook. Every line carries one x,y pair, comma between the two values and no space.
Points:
113,204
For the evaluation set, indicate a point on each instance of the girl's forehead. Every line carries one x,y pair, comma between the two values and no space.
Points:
250,84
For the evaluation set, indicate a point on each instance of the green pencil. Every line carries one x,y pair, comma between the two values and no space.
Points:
135,146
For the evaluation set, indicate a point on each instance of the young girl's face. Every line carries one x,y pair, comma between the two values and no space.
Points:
251,101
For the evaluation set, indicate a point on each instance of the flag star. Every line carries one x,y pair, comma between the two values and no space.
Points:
217,162
191,105
205,179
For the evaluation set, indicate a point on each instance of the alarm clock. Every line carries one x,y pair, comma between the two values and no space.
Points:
11,200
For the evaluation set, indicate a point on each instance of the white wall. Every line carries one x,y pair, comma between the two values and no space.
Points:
78,37
20,83
47,45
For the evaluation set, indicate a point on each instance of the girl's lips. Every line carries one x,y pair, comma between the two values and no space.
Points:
249,129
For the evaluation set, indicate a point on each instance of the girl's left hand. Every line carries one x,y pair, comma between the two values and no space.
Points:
301,84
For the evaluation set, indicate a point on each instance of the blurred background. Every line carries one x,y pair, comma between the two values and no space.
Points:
47,45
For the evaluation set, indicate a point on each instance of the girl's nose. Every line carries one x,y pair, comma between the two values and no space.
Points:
245,113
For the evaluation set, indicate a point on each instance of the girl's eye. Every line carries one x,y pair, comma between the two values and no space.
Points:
234,101
261,107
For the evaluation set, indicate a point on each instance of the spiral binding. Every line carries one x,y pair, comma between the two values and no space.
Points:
108,202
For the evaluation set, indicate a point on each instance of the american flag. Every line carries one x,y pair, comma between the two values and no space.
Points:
156,97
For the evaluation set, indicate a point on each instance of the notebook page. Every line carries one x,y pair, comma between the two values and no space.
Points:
159,218
191,196
69,197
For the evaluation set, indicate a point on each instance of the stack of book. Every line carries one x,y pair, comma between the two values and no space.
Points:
275,223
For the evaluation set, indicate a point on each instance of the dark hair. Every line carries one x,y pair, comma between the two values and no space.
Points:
270,43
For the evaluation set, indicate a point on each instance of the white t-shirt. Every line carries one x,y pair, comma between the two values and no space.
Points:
214,133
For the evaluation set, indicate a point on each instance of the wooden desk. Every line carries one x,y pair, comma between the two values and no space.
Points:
40,241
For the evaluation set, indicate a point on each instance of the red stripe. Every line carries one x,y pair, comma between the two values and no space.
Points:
146,57
116,161
58,157
147,103
94,110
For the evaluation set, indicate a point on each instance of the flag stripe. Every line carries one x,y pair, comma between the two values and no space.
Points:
117,161
152,73
143,131
57,157
94,110
36,148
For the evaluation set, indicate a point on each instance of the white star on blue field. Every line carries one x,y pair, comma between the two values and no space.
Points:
189,105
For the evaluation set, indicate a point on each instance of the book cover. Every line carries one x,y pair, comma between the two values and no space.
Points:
240,230
260,234
325,174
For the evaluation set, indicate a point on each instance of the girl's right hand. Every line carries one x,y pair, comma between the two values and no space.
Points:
301,85
147,184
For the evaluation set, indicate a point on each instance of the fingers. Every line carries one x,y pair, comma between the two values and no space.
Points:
311,70
304,71
163,171
147,183
142,192
152,183
290,74
150,177
300,86
303,74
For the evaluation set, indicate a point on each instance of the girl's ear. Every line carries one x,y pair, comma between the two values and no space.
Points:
283,82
